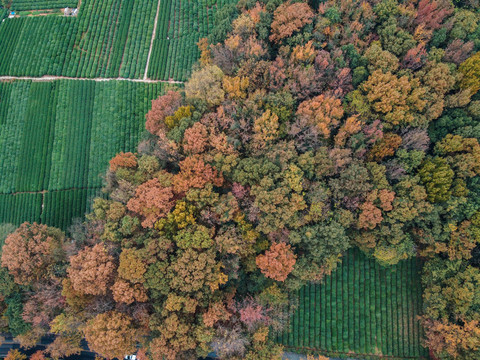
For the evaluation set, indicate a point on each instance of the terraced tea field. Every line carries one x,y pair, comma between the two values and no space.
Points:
362,309
180,25
42,4
60,135
109,38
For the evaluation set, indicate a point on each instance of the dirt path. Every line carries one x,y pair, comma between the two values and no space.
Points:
53,78
43,192
41,12
46,12
50,191
145,75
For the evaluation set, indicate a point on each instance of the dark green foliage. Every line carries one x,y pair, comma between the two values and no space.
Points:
319,241
437,176
223,23
360,74
16,325
455,121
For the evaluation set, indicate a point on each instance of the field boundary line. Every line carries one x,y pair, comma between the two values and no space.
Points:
98,79
43,206
145,75
56,190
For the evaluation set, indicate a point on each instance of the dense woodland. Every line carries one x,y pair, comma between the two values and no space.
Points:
306,129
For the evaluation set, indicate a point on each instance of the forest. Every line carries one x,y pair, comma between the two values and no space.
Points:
315,146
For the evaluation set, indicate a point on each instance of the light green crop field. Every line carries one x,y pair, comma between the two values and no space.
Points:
108,38
58,138
362,310
42,4
180,25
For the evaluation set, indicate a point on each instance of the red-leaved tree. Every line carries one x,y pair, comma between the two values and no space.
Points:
161,108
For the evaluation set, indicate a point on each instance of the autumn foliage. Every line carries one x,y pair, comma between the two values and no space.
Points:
289,18
127,160
302,132
152,201
277,262
322,111
31,252
195,173
111,335
14,354
91,270
470,69
454,340
161,108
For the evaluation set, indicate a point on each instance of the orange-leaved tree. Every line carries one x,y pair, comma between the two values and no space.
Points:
91,271
277,262
111,335
32,251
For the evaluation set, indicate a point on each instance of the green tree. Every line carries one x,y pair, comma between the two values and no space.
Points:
206,84
437,176
470,69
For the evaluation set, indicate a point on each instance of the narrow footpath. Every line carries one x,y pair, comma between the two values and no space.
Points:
53,78
145,75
